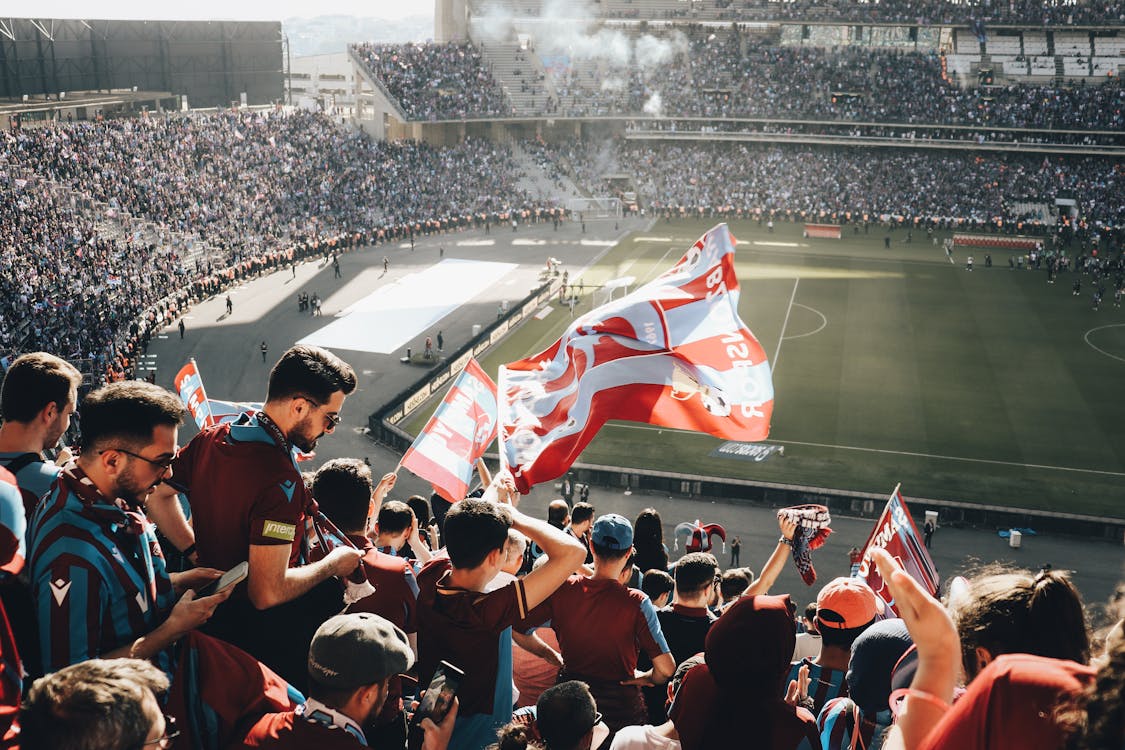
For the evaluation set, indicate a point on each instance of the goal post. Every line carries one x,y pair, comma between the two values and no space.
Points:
610,290
597,207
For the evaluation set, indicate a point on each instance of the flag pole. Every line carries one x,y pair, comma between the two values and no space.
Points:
501,410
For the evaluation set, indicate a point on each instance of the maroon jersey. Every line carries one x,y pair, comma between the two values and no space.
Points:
244,488
602,626
467,629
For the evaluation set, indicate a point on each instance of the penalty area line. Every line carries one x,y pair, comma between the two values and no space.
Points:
989,461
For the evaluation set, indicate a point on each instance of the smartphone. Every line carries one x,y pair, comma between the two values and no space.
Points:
231,578
439,695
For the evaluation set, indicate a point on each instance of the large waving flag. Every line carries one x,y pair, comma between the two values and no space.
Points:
896,533
672,353
206,411
464,424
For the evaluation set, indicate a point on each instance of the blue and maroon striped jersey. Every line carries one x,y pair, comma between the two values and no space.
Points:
97,573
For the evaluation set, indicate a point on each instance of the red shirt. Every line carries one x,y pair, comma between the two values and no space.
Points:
602,626
244,489
287,731
1013,702
464,628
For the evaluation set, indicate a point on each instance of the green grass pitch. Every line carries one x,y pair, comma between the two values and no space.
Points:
989,387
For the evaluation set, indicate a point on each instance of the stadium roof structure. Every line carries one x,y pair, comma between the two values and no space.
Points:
38,104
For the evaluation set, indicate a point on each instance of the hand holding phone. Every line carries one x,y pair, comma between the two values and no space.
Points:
439,695
231,578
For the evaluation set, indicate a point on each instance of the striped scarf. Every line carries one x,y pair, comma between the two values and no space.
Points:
812,531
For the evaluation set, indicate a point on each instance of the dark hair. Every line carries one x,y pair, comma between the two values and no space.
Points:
810,611
514,736
395,517
473,529
96,704
734,582
581,512
309,371
33,381
695,572
334,697
656,583
421,508
1018,612
609,554
565,714
1097,718
342,487
557,511
840,637
648,539
127,412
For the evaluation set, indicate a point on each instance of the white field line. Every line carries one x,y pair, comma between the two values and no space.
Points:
781,337
892,453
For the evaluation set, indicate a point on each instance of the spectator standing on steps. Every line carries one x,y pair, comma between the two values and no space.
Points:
265,350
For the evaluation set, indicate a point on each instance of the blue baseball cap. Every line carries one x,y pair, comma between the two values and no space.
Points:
612,532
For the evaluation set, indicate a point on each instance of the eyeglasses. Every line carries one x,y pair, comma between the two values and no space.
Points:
332,417
170,734
163,466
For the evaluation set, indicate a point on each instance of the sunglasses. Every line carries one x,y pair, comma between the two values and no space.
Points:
162,465
170,734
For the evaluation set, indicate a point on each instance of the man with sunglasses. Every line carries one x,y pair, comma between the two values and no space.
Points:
97,571
249,503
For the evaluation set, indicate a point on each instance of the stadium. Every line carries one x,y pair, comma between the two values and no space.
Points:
926,198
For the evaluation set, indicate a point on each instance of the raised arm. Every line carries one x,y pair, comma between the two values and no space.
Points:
776,563
565,554
939,655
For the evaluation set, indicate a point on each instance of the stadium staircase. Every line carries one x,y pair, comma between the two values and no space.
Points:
520,74
536,182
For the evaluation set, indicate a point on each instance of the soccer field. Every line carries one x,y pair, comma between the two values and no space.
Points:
894,365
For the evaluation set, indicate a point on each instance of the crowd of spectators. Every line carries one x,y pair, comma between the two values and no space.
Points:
109,228
926,12
449,81
816,181
725,74
124,644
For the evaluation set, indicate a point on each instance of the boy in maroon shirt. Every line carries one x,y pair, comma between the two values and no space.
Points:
461,624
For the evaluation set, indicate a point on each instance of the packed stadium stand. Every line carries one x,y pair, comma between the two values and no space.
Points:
705,71
161,209
997,127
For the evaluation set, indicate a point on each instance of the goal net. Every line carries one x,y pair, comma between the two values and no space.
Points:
598,207
612,289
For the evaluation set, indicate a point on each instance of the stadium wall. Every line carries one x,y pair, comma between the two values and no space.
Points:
210,62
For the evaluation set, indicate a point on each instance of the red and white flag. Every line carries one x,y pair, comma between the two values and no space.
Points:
206,411
896,533
672,353
446,451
